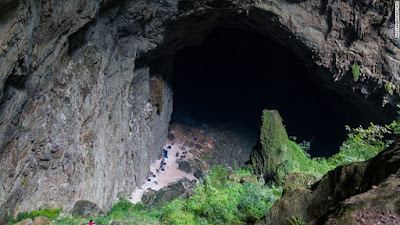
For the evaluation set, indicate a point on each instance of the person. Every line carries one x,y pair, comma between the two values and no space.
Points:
91,222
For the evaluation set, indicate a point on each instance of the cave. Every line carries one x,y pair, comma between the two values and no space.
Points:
234,74
103,102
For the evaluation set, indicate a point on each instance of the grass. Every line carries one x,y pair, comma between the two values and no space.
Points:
52,214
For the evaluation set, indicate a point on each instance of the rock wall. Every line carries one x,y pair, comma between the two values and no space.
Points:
78,120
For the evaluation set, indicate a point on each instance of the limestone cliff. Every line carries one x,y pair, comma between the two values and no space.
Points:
85,98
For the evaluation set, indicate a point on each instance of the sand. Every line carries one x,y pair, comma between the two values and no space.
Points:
164,178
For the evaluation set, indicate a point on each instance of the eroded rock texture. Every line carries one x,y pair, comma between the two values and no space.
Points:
78,120
81,118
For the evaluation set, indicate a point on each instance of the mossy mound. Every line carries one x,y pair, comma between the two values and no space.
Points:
276,155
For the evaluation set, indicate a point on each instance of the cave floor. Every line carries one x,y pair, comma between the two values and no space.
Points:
181,139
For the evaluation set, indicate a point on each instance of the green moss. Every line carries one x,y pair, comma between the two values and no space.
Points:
280,156
388,87
355,69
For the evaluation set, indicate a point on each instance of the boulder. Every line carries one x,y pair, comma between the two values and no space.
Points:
180,189
198,174
41,220
185,166
234,177
86,208
25,222
249,179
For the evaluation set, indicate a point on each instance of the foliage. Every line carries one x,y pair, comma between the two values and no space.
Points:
355,69
297,221
305,146
122,212
217,200
362,144
174,213
49,213
388,87
245,170
221,201
120,209
68,220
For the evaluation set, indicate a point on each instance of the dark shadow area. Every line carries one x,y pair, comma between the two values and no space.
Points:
234,75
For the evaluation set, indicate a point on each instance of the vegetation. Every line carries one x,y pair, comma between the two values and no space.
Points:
283,156
122,212
280,156
49,213
355,69
217,200
388,87
221,201
361,144
297,221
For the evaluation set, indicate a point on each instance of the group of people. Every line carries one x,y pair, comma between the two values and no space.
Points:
162,164
148,178
165,155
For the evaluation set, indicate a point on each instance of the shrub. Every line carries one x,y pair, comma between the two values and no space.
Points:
120,209
361,144
174,213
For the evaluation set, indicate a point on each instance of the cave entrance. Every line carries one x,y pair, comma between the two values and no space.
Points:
233,75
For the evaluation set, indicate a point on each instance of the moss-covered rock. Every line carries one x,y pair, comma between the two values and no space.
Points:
275,155
234,177
249,179
268,159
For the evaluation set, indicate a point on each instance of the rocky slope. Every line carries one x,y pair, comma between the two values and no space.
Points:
85,99
358,193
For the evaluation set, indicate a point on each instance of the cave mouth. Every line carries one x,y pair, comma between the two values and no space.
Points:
233,75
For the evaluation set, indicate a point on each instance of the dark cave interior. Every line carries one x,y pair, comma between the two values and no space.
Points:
234,74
